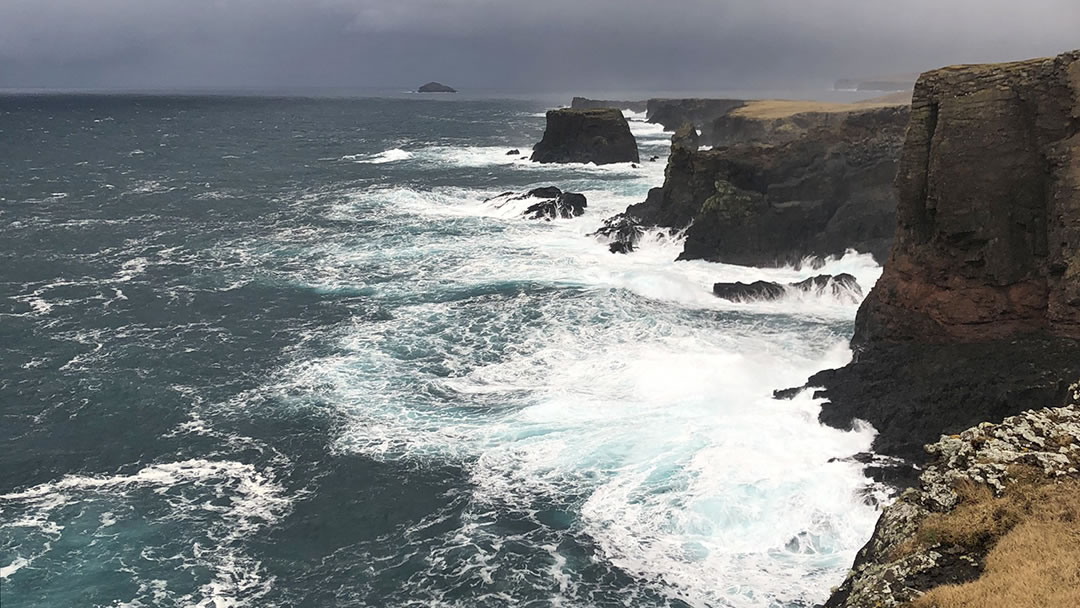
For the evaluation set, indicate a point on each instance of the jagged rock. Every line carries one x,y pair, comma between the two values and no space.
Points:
898,564
583,103
435,87
685,137
623,232
513,152
600,136
841,285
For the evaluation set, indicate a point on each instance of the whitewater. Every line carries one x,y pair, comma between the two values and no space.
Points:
457,407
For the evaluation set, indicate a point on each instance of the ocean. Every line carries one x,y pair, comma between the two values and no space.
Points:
261,351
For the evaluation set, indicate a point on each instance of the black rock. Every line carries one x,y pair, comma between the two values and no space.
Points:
758,290
513,152
839,285
623,230
542,192
435,87
566,205
653,159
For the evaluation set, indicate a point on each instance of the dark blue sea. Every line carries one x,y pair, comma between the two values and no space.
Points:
276,352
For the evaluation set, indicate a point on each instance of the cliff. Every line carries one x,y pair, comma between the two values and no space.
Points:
600,136
974,323
975,316
771,204
672,113
778,120
988,238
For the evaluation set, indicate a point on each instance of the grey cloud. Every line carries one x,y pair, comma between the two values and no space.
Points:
557,44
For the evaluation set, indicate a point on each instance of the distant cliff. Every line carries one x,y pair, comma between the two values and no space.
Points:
763,203
583,103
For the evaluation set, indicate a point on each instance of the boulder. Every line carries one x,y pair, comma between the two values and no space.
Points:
435,87
513,152
842,285
600,136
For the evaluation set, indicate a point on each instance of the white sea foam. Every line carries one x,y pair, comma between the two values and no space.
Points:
639,391
388,156
192,490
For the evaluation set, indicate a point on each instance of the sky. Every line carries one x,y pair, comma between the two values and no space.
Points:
550,45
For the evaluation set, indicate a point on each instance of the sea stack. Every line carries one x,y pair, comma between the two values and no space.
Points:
599,135
436,87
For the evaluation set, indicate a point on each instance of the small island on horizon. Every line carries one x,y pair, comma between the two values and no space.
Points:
436,87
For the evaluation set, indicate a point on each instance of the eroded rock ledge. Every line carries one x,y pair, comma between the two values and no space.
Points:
981,485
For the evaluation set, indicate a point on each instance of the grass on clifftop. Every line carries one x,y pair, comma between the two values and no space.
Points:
781,108
1033,536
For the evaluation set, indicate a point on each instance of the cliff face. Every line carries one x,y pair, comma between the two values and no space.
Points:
600,136
764,205
988,233
975,316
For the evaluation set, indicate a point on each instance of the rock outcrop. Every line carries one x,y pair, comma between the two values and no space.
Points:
584,103
977,312
980,486
842,285
600,136
435,87
766,205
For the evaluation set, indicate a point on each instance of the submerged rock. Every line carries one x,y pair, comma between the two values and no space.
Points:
842,285
435,87
513,152
600,136
622,231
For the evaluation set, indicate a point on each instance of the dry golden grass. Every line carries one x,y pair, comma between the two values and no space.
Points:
1033,532
765,109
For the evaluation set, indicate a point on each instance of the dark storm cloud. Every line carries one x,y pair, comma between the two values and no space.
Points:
554,44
